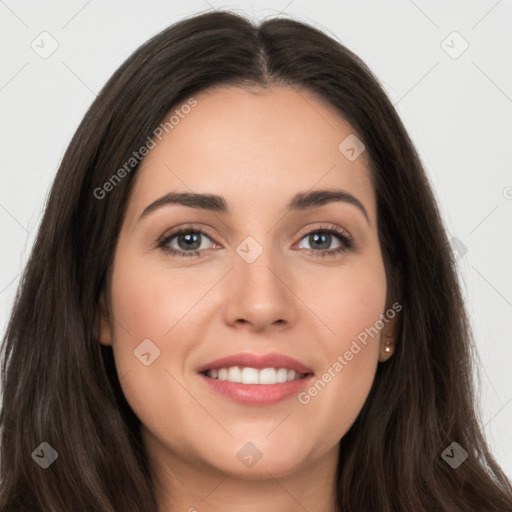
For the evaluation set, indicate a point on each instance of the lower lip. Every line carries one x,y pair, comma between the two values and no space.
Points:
256,394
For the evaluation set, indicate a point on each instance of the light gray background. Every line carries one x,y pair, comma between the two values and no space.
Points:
457,108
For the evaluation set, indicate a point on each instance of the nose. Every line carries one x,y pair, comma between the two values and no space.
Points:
258,294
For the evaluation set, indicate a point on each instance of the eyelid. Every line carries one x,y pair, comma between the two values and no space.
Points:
201,228
301,233
323,225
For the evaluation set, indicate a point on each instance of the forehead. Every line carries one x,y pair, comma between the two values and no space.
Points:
255,147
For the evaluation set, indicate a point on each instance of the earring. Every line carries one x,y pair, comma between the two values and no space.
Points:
388,348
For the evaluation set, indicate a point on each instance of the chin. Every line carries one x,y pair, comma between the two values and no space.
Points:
248,464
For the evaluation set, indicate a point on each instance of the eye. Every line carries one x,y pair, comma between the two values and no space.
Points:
186,241
322,237
190,241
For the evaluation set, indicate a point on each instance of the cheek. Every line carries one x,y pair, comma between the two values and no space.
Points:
149,300
351,307
350,303
148,315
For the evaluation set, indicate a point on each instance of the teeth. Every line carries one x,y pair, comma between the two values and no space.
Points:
267,376
254,376
249,375
234,374
282,375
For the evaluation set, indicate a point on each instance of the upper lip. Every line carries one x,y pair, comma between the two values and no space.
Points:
259,361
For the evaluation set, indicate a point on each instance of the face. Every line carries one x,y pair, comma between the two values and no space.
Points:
291,289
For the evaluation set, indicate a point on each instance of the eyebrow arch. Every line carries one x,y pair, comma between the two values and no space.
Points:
215,203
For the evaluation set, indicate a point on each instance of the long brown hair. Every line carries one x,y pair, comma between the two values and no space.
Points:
60,384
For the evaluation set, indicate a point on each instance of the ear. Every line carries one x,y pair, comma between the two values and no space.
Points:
105,332
389,333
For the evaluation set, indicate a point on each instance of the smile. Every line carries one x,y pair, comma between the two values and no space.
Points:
248,375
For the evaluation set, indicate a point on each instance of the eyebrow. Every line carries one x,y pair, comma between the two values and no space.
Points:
215,203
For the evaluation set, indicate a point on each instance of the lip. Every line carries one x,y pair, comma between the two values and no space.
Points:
258,361
256,394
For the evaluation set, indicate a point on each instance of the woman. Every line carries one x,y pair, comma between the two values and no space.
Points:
174,344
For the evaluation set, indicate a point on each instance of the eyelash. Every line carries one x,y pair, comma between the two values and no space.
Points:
346,241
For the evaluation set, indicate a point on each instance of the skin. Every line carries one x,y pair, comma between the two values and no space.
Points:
257,148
